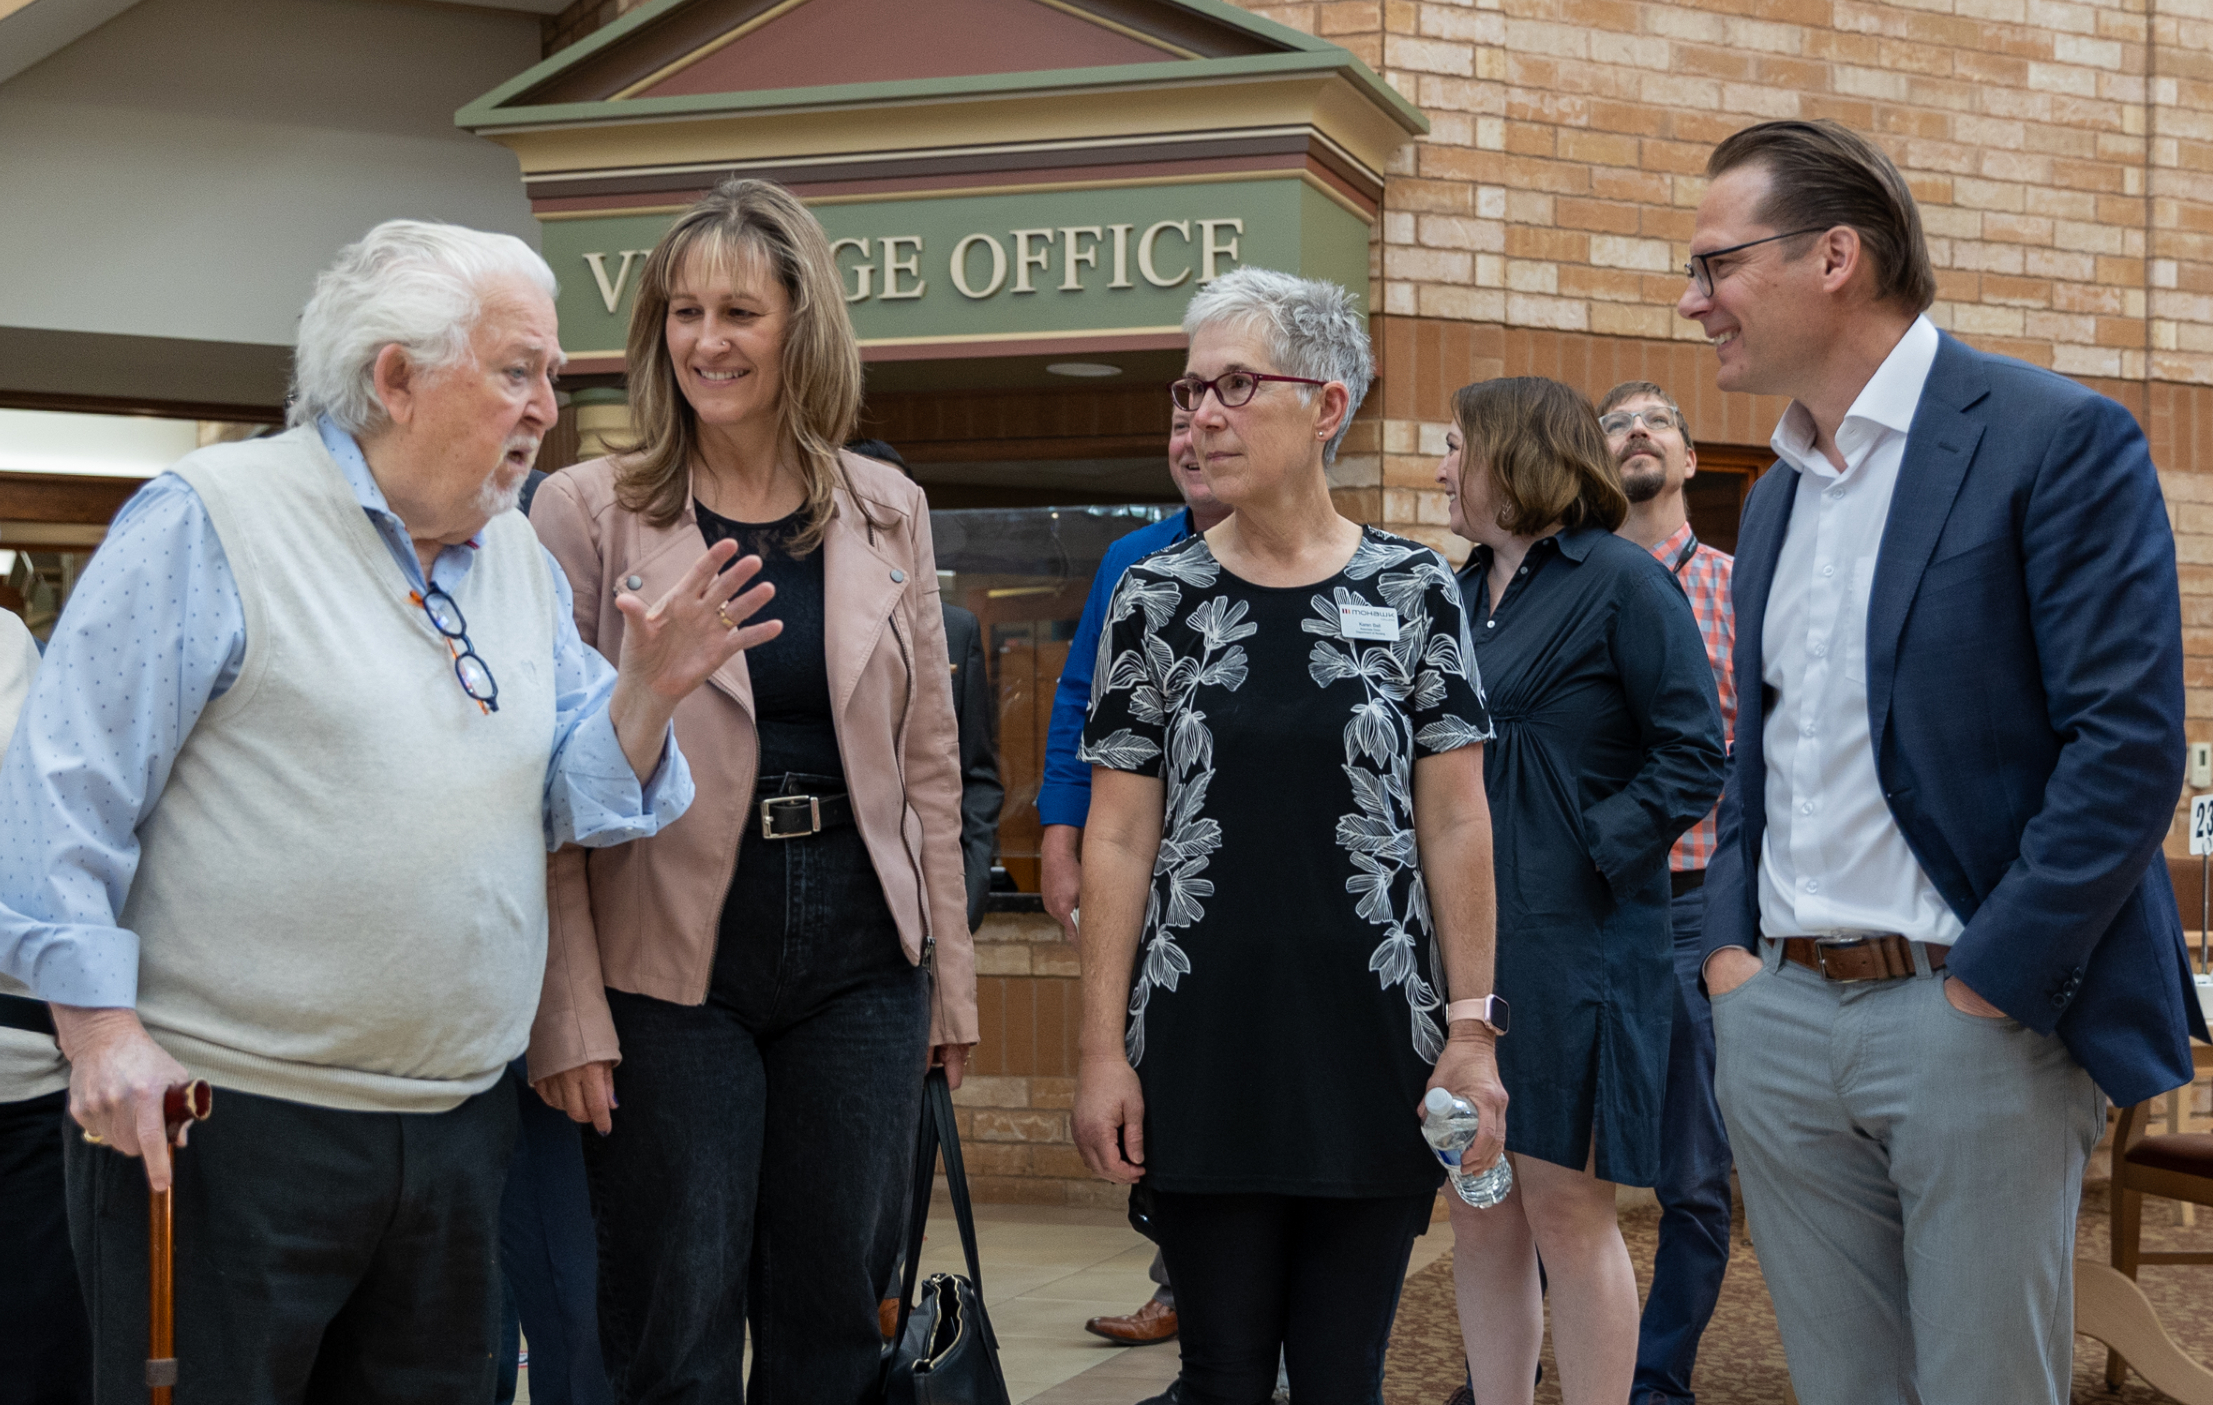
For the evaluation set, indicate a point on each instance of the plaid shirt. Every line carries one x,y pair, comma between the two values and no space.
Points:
1705,579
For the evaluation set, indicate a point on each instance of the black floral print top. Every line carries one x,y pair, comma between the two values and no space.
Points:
1286,1006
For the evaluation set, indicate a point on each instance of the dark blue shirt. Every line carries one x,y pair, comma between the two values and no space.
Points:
1608,746
1065,795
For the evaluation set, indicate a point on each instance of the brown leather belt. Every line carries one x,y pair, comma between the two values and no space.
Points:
1879,958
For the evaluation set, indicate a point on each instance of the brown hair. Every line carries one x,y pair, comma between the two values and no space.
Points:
1630,390
1823,174
1540,442
821,363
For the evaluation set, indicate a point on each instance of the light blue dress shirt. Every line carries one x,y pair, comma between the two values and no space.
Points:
153,633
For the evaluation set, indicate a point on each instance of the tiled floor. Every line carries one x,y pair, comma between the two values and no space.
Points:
1046,1270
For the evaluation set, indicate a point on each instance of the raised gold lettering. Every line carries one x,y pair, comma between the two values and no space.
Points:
863,273
611,293
895,265
960,266
1025,259
1209,251
1073,253
1145,252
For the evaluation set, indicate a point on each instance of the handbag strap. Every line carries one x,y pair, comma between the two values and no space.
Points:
938,1132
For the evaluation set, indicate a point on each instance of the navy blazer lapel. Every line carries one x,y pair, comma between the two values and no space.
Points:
1939,447
1759,546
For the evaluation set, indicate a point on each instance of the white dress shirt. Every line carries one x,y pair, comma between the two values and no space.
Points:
1834,863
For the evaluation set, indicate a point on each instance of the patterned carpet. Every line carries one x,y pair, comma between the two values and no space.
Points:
1741,1359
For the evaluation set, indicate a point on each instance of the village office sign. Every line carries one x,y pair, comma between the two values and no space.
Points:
1003,267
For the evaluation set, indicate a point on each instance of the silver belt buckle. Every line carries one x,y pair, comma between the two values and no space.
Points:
779,811
1821,957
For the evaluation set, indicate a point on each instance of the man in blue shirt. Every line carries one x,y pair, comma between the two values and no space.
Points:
1064,800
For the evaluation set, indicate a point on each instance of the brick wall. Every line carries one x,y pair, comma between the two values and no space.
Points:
2064,167
2061,162
1013,1107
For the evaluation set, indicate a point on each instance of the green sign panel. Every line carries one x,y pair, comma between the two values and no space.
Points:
1006,267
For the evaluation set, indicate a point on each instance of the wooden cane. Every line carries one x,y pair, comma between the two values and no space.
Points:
180,1106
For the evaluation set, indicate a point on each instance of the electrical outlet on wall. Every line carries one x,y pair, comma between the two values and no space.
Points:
2201,765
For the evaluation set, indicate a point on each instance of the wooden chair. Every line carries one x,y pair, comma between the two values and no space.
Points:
2109,1306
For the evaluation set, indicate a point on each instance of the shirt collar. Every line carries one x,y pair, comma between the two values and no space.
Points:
1666,551
452,563
1575,542
1885,404
354,465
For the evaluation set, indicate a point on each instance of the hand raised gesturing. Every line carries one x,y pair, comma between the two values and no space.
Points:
670,646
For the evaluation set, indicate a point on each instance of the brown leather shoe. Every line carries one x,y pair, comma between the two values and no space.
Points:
1150,1325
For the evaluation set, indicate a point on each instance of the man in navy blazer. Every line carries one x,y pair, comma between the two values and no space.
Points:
1937,923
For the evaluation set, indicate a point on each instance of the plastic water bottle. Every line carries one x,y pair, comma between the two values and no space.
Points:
1449,1126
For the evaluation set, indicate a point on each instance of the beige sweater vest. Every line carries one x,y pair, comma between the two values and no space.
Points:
341,893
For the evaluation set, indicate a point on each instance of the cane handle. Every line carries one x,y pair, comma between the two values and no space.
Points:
186,1103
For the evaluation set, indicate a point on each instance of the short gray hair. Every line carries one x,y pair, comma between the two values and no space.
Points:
407,283
1312,328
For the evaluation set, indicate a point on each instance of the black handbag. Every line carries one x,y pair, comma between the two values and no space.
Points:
944,1352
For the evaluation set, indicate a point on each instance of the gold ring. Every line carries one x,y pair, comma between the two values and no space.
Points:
95,1139
727,622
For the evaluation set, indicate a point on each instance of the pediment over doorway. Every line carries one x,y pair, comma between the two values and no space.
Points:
749,46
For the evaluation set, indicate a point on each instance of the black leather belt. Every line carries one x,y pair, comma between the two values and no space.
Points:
797,816
1685,880
31,1016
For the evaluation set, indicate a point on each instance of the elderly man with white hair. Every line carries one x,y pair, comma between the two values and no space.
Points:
278,816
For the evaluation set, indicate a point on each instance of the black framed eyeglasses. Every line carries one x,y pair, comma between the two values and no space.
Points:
1701,272
468,666
1233,388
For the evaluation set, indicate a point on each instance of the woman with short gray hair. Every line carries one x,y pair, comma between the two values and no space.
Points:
1286,874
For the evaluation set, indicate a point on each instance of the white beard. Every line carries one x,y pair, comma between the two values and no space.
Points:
493,499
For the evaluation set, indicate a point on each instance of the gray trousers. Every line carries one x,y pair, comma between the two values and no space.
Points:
1911,1175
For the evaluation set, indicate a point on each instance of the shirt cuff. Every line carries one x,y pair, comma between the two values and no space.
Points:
92,967
1064,804
594,797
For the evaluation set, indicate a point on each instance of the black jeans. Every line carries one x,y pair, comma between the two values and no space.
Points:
321,1256
45,1346
1311,1278
757,1171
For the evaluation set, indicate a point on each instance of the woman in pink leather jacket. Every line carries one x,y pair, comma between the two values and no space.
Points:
743,1005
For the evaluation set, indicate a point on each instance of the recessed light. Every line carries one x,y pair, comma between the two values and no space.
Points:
1084,369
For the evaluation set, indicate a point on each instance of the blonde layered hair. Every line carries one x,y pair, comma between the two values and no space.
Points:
820,361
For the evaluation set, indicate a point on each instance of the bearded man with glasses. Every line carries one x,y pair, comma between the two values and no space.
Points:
278,816
1651,444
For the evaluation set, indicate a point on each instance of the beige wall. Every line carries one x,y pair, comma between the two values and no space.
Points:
184,170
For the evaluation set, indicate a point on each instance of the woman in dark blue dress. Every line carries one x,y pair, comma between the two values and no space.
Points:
1608,746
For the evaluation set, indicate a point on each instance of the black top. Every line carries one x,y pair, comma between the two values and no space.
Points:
1284,1009
1609,746
790,673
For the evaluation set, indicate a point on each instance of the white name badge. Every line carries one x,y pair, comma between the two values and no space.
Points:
1367,622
